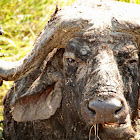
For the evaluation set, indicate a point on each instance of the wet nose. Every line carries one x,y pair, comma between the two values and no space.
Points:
105,110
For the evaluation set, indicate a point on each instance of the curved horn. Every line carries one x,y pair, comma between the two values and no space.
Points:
57,32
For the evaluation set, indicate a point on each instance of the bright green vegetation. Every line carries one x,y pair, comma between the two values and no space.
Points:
130,1
22,21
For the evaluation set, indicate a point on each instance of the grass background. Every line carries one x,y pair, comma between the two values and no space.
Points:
22,21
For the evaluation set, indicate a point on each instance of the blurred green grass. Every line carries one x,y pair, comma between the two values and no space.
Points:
22,21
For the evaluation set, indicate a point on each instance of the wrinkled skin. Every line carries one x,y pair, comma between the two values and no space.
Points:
100,72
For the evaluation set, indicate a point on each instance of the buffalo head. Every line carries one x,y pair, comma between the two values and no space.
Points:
84,65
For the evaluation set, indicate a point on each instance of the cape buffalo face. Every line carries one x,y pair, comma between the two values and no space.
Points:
82,72
101,85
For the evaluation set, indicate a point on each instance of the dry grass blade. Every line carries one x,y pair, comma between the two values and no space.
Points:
90,132
96,132
96,128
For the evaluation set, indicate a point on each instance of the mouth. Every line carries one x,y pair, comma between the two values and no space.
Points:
116,126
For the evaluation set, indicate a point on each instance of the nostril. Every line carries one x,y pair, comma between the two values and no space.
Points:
118,110
92,111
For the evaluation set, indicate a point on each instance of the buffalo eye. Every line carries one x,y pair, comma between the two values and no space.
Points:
128,58
71,61
132,61
71,66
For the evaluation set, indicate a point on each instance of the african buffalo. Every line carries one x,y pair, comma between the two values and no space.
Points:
81,79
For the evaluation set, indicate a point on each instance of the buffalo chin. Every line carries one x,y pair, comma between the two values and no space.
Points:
117,131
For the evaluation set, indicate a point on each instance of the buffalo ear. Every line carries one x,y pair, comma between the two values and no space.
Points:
38,95
38,107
